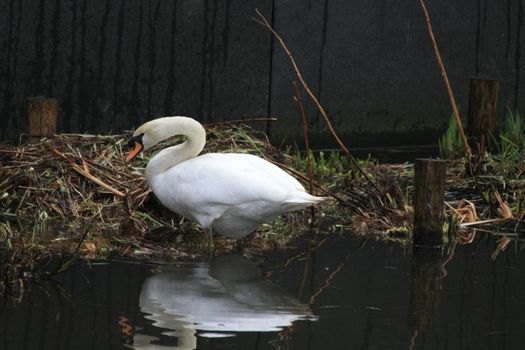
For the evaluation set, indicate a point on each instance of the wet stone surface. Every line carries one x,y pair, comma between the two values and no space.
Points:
346,293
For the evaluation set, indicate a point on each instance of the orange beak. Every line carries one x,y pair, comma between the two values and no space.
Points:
136,150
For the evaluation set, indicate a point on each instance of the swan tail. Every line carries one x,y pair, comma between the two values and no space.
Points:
303,200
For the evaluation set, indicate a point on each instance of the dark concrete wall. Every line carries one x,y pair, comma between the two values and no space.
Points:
113,64
374,69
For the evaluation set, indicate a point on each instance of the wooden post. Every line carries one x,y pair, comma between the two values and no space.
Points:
483,101
425,288
42,114
429,182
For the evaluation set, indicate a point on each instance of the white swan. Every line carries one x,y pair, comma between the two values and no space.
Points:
228,192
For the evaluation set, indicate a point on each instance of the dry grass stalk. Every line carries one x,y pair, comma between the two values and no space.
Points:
299,104
264,22
85,172
504,209
455,110
503,243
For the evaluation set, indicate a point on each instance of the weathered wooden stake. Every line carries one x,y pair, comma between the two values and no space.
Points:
429,180
483,101
42,114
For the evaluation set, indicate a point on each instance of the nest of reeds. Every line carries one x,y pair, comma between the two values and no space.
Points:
76,188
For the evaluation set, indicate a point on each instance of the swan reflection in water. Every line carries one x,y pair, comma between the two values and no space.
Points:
229,295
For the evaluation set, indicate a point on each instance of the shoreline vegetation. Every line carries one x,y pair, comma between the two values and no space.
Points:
72,196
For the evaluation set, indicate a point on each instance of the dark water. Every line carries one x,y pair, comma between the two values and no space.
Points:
349,293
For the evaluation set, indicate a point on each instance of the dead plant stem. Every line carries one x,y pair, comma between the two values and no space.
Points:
468,151
264,22
299,104
88,175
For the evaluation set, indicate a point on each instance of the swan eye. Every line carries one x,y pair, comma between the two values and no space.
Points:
133,139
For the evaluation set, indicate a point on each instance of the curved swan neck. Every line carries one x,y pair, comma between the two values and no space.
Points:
170,126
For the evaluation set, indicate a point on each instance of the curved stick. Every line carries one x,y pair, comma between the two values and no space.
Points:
264,22
468,151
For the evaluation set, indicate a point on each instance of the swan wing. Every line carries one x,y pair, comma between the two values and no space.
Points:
231,179
215,182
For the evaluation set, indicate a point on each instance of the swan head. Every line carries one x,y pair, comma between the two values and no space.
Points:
154,131
146,136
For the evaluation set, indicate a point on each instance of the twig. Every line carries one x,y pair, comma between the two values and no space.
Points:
112,170
447,260
331,276
452,208
87,175
291,259
468,151
67,264
299,104
84,235
97,180
503,242
482,222
305,269
413,340
264,22
328,280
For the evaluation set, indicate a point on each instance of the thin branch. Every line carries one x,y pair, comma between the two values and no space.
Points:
88,175
468,151
299,104
264,22
328,281
483,222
